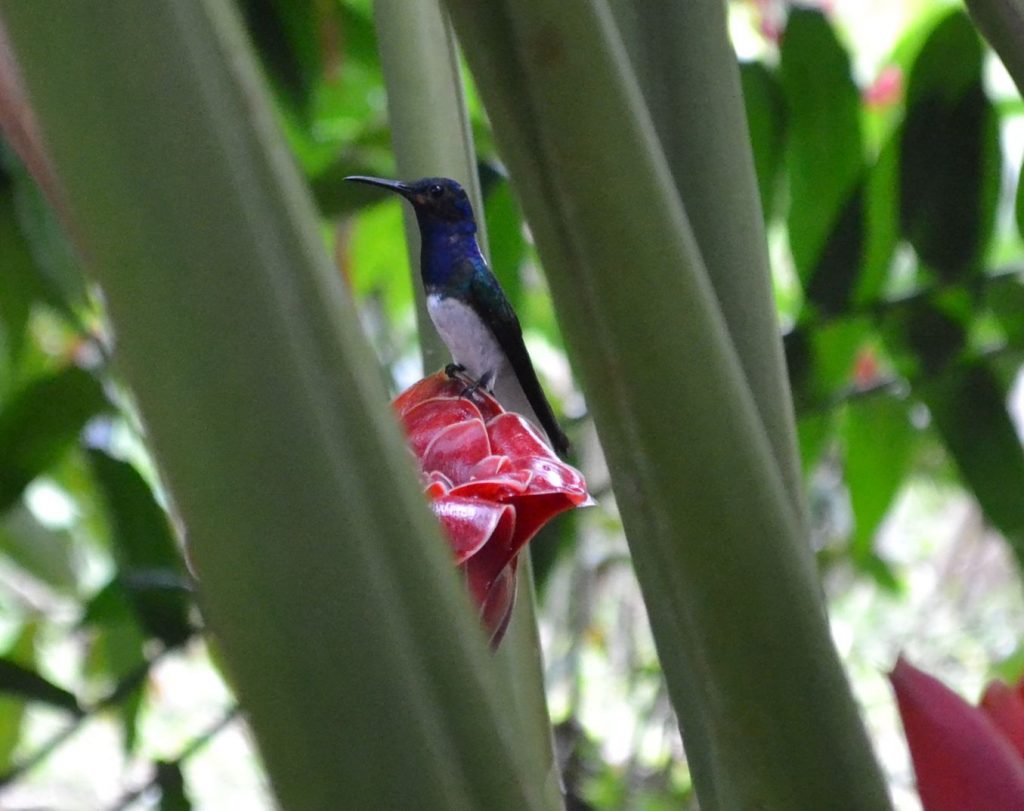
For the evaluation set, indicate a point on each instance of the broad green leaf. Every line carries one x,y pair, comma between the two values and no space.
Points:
19,680
834,276
45,553
824,152
950,159
968,409
879,441
150,567
766,118
40,422
287,37
883,223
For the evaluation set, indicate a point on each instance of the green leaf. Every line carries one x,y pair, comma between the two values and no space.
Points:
1020,202
172,787
44,553
925,335
18,286
19,680
40,422
150,567
766,118
879,441
1005,298
968,409
950,159
116,649
505,235
824,153
883,223
12,710
832,280
287,37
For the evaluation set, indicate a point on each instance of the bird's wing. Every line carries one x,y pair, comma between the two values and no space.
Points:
499,315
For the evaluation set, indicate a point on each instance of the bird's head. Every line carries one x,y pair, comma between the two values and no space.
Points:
438,201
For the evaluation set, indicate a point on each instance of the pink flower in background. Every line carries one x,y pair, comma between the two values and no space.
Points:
965,758
492,480
887,89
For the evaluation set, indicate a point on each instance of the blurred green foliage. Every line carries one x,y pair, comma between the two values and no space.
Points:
903,340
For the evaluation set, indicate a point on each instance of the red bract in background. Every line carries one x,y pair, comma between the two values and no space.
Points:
492,480
965,758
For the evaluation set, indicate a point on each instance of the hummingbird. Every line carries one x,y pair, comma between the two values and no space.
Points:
467,305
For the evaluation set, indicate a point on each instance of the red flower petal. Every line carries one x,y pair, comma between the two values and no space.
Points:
496,602
554,476
516,437
439,385
454,450
424,420
960,759
1005,708
497,488
490,466
470,524
534,511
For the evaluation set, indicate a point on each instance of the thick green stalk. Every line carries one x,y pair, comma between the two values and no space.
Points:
690,80
1002,24
353,647
431,134
734,604
429,125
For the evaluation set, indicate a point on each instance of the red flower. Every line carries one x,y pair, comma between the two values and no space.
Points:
964,757
492,480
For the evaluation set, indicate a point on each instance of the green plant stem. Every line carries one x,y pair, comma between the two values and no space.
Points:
1002,24
429,126
325,579
688,72
733,600
431,134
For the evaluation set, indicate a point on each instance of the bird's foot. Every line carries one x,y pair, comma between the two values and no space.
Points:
454,370
485,383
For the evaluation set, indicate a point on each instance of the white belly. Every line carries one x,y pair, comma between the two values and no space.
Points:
470,341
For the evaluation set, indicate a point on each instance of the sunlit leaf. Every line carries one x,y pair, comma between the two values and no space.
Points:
766,118
824,152
878,441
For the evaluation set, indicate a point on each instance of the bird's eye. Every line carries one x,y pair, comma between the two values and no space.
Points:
435,191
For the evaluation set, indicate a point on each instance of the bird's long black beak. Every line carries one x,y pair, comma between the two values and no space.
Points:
393,185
